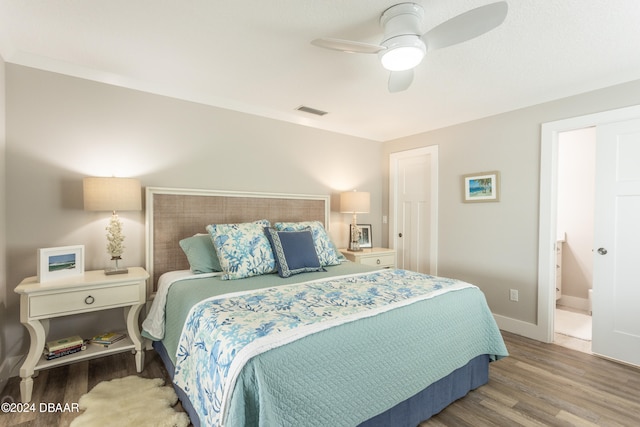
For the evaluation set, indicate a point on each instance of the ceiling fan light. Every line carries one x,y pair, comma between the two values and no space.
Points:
402,53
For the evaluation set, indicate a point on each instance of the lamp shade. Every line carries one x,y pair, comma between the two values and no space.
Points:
355,202
112,194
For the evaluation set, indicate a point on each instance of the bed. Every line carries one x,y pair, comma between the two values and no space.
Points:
320,341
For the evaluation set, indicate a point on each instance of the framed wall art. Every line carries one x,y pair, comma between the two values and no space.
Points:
56,263
481,187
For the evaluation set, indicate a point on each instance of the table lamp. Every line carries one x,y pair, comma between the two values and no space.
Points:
355,202
113,194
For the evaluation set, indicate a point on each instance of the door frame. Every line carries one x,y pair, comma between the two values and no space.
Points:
431,150
544,330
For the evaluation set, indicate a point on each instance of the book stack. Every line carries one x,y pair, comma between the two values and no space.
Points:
108,338
63,347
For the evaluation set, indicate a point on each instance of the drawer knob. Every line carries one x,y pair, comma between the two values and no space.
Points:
378,261
89,300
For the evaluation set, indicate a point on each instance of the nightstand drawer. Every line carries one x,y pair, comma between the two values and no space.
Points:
375,257
83,300
379,261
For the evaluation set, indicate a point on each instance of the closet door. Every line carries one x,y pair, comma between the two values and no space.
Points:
413,205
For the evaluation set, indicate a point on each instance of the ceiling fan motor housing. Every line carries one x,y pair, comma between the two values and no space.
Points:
404,48
402,19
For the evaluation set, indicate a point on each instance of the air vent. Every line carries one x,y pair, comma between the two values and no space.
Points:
310,110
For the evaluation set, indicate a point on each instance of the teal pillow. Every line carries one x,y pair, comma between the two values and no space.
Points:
294,251
201,254
243,249
326,250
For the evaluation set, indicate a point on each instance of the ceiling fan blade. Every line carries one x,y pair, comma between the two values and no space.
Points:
466,26
347,45
400,80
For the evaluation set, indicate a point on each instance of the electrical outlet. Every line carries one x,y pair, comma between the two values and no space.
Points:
513,294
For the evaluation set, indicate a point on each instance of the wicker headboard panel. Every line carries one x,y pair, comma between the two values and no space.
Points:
173,214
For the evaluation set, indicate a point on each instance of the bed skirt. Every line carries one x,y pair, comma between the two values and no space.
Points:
410,412
436,397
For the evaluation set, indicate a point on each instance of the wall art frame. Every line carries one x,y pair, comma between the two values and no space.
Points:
481,187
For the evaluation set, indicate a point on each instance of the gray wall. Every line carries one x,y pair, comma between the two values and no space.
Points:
495,245
61,129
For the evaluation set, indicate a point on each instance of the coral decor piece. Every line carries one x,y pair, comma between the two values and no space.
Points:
115,247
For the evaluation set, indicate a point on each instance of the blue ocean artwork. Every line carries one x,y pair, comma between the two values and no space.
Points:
62,262
481,187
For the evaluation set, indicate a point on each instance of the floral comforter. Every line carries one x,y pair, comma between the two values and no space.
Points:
222,334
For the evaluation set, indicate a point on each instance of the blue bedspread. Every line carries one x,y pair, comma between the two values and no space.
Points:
222,336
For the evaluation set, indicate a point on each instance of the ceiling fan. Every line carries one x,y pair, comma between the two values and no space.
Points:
403,46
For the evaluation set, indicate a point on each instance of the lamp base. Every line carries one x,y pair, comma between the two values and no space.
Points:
354,231
117,269
355,246
111,271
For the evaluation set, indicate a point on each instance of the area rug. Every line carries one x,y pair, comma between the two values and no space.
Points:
130,401
572,324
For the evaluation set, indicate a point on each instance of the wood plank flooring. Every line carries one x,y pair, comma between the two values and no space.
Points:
537,385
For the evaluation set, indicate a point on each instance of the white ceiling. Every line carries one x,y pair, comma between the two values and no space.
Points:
254,56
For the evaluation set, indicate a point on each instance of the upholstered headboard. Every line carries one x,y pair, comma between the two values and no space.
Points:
173,214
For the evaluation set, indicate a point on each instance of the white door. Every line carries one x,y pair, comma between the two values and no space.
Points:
616,269
413,208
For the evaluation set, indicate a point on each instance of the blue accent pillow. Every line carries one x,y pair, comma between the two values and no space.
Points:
326,250
294,251
243,249
201,254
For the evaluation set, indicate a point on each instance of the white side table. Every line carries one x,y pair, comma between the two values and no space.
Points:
92,291
377,257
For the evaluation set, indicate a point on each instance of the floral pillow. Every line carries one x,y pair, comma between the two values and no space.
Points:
243,249
327,252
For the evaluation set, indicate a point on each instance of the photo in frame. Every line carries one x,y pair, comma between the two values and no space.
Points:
60,262
481,187
365,236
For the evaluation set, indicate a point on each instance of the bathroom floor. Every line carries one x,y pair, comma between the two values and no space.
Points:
573,329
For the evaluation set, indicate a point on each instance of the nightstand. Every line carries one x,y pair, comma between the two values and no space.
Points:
92,291
377,257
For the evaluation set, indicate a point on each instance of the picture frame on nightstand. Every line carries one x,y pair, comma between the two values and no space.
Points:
60,262
366,240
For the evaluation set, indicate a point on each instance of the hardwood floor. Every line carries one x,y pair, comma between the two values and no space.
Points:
537,385
548,385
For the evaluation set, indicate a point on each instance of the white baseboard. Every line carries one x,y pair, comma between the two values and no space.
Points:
574,302
519,327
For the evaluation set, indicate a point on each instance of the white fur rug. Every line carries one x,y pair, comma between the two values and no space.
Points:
130,401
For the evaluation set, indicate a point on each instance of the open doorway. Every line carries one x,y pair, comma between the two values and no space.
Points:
544,329
574,245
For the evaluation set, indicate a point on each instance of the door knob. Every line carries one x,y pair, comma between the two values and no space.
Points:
602,251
